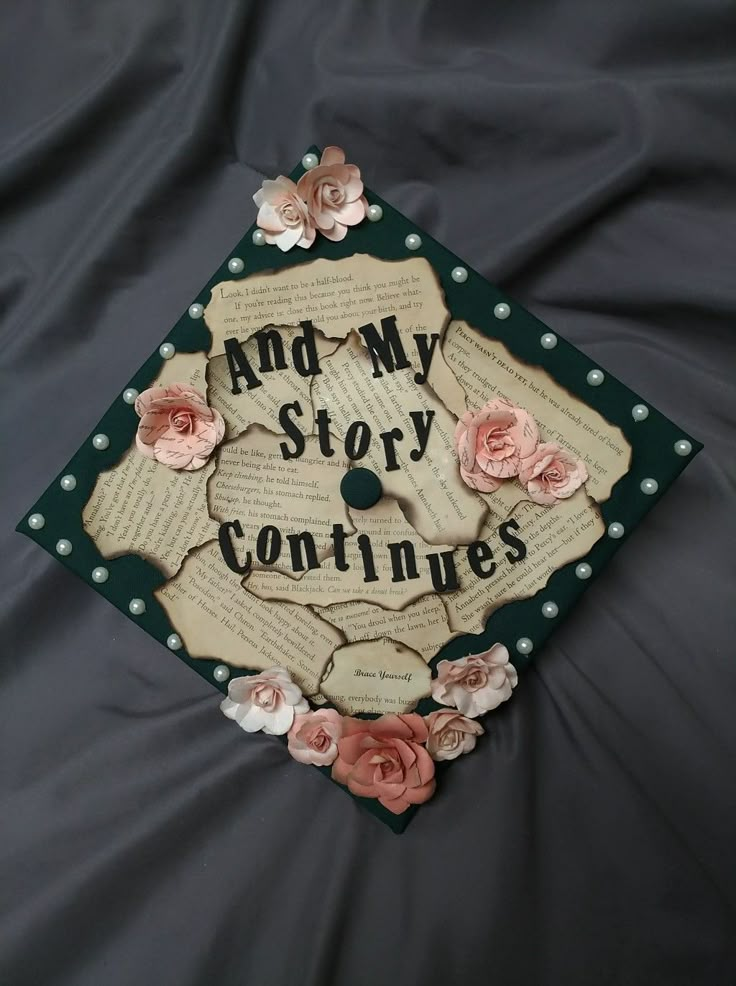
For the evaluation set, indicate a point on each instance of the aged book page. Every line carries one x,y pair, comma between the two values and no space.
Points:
142,507
554,536
486,369
183,368
383,523
217,618
255,485
339,296
261,405
435,500
421,626
376,676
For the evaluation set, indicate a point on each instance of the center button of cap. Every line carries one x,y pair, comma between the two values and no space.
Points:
361,488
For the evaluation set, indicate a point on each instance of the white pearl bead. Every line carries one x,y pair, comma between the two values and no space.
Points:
683,447
63,547
548,340
413,241
173,641
524,645
68,482
459,275
235,265
167,350
129,395
640,412
502,311
310,161
615,530
649,486
101,442
258,237
196,310
137,607
375,213
550,610
36,522
221,672
100,574
595,378
583,570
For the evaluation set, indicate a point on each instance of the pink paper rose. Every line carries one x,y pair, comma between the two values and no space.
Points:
333,192
450,734
475,684
313,737
283,215
177,428
492,442
550,473
268,701
385,759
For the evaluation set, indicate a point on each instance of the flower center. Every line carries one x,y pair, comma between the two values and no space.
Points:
475,680
291,214
181,420
334,195
497,443
265,698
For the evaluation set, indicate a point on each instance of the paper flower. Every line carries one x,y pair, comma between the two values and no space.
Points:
450,734
313,737
283,215
385,759
475,684
177,427
551,473
492,442
333,193
268,701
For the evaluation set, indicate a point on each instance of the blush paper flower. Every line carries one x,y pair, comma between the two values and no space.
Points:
492,442
385,759
266,702
450,734
475,684
551,473
283,215
177,427
313,737
333,193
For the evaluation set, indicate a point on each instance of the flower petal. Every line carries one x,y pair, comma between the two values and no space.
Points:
333,155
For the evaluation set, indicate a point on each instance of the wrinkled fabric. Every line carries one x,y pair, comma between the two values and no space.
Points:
581,155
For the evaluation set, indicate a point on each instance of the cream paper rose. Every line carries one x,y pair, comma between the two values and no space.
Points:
177,426
492,442
266,702
551,473
450,734
313,737
475,684
283,215
333,193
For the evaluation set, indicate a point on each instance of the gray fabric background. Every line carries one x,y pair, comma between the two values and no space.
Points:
583,155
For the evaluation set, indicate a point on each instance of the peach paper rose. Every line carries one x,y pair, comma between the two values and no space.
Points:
450,734
385,759
550,473
492,442
314,735
475,684
268,701
283,215
177,428
333,192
